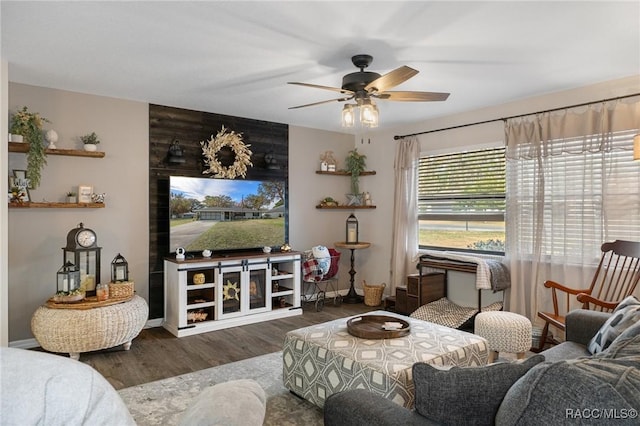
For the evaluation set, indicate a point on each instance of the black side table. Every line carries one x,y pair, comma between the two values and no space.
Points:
352,296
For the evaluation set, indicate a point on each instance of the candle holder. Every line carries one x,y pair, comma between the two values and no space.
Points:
68,278
352,229
119,269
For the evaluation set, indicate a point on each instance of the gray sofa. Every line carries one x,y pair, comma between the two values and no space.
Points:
563,385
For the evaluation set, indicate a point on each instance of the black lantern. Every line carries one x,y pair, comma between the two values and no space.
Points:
82,250
68,278
119,269
352,229
176,153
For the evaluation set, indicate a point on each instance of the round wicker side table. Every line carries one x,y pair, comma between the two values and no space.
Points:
83,330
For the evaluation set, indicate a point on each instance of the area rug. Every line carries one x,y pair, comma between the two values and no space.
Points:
162,402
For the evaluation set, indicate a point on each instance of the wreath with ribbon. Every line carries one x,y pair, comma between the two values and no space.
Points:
226,138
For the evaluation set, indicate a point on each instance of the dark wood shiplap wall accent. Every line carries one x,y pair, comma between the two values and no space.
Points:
167,124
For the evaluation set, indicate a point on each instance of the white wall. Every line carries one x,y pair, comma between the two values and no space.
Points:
36,236
309,226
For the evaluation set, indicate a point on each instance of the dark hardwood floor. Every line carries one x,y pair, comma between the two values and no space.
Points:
156,354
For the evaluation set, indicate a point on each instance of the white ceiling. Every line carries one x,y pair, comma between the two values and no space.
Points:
236,57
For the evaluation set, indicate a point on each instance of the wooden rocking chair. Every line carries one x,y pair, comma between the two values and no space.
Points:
616,278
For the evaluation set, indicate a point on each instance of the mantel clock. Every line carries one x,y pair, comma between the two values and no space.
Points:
82,250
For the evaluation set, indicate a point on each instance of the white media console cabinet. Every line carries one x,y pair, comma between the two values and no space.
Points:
206,294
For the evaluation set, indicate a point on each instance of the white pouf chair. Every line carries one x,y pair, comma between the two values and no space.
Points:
505,331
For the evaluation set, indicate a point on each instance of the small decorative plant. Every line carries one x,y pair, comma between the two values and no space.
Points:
71,194
90,139
17,195
355,164
29,125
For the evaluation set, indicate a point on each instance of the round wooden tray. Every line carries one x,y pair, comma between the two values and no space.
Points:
370,327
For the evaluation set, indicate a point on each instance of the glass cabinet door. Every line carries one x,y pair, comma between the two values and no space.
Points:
230,291
257,288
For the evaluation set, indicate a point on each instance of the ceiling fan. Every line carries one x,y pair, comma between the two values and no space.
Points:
363,85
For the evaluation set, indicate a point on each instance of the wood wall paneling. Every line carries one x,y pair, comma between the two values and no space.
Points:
189,127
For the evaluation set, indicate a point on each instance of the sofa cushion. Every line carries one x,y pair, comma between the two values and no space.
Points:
565,350
626,314
581,391
233,403
626,344
475,392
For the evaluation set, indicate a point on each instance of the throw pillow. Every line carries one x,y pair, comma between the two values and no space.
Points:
321,254
239,402
626,344
624,315
465,395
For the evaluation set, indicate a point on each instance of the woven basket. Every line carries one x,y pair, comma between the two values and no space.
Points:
121,289
373,293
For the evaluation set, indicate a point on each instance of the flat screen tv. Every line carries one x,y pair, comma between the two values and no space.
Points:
226,215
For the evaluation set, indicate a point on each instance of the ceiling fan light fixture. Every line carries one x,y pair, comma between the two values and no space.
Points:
361,86
348,116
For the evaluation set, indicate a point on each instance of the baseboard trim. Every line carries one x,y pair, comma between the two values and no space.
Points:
33,343
24,344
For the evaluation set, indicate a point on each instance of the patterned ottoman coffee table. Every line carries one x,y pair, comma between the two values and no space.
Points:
324,359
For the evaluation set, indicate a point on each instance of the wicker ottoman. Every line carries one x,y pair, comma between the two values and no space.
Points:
324,359
84,330
505,332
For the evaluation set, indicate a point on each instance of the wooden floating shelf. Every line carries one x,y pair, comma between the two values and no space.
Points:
54,205
24,148
345,173
344,207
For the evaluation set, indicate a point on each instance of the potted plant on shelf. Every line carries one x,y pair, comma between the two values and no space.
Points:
72,197
355,164
90,141
29,125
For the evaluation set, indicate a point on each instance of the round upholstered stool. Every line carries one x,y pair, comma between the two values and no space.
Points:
505,332
84,330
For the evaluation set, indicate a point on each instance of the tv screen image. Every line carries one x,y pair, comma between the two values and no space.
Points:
225,215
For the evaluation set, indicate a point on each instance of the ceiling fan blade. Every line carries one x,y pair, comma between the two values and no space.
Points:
317,86
412,96
391,79
322,102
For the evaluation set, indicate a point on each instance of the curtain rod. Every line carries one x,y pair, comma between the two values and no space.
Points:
396,137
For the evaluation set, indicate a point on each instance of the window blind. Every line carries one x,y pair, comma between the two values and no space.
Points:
589,197
462,186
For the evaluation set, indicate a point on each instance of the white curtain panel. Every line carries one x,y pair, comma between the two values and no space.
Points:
404,250
572,184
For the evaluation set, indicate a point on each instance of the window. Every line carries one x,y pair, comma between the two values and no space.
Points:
576,199
461,201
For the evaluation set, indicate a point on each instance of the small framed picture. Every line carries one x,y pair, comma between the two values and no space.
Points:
84,193
22,176
19,187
